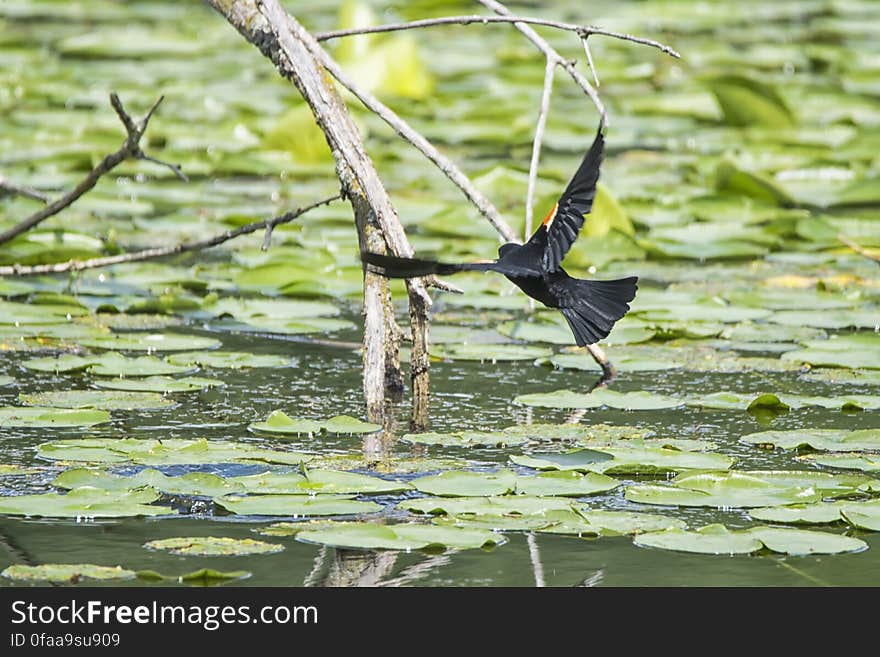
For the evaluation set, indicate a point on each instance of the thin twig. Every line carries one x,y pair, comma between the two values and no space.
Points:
592,66
267,239
408,133
7,187
858,248
546,93
580,30
130,149
161,252
551,54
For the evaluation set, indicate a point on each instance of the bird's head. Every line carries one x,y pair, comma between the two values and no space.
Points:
504,249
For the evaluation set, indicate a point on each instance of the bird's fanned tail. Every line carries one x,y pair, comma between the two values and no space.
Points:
396,267
598,305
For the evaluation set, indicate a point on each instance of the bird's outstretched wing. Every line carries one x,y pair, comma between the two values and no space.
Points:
560,228
395,267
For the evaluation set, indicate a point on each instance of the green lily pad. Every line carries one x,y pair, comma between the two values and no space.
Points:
490,352
717,539
11,470
280,422
622,363
565,483
824,440
626,460
580,460
800,514
458,483
639,400
160,384
235,360
201,577
864,516
212,546
846,461
738,401
192,483
168,452
14,416
150,342
597,522
86,503
114,364
576,432
748,102
103,400
465,439
843,357
844,376
404,536
519,505
6,380
839,319
722,490
830,484
65,572
294,505
316,482
390,464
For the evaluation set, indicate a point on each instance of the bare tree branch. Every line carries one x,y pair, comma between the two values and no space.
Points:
546,92
592,66
130,149
163,251
550,53
7,187
408,133
580,30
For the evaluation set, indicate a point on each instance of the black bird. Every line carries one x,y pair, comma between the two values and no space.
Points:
590,307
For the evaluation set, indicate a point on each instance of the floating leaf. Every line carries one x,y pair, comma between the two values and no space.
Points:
160,384
84,502
490,352
747,102
113,364
227,359
150,342
504,505
280,422
167,452
192,483
825,440
404,536
717,539
800,514
212,546
202,576
825,482
639,400
316,482
565,483
6,380
581,460
457,483
294,505
465,439
853,461
14,416
104,400
597,522
66,572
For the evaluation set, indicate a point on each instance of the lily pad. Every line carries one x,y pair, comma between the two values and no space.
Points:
192,483
847,461
463,483
517,505
316,482
294,505
86,503
114,364
830,484
717,539
627,460
150,342
14,416
160,384
489,352
212,546
639,400
201,577
404,536
825,440
167,452
6,380
565,483
465,439
104,400
235,360
65,572
280,422
598,522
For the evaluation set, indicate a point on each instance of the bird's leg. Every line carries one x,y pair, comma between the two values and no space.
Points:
598,354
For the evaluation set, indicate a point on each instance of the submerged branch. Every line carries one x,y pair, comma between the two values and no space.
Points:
163,251
130,149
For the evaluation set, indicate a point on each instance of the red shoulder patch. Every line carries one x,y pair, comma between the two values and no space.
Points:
550,216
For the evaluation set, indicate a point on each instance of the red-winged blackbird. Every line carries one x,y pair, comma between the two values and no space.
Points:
590,307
